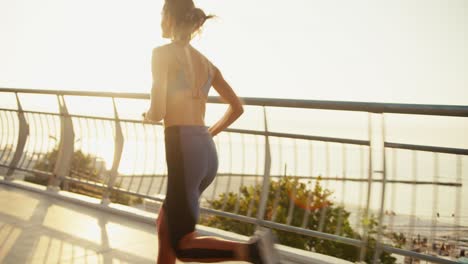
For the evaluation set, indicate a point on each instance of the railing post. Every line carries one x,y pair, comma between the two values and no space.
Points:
22,137
266,175
119,144
378,242
365,218
65,149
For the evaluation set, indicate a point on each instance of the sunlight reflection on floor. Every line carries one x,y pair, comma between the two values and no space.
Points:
36,228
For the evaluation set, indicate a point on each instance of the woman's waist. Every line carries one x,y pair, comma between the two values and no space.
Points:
186,130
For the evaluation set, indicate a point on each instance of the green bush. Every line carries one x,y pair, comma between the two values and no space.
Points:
84,165
323,215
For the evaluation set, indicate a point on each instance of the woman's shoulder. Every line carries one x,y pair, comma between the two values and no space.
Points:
205,58
162,54
161,50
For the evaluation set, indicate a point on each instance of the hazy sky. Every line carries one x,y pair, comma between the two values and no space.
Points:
391,51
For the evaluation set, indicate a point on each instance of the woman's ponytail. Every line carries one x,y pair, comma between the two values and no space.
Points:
188,18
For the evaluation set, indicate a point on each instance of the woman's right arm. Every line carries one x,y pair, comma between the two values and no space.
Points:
159,68
229,96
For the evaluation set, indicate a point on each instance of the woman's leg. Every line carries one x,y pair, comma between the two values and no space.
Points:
194,248
192,164
166,253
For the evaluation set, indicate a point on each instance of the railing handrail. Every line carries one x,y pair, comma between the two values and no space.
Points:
61,170
373,107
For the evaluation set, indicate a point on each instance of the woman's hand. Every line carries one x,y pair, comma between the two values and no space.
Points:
235,108
145,117
210,130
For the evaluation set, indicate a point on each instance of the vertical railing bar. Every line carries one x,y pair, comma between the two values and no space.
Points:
11,153
310,192
11,138
311,158
343,190
118,148
305,219
292,196
153,172
84,133
107,133
3,143
23,135
26,147
76,172
66,148
32,121
379,242
458,201
57,131
145,158
413,200
107,127
296,154
228,184
435,192
252,201
89,136
266,172
8,141
363,250
394,177
257,168
278,188
80,139
33,131
97,134
49,137
36,145
280,154
277,197
43,133
4,137
104,133
135,134
125,135
360,212
241,185
155,158
41,146
257,160
94,145
28,143
55,137
15,132
324,207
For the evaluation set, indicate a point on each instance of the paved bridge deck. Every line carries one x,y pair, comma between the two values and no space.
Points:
35,228
39,228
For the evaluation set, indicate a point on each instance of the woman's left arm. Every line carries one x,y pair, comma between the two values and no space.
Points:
159,69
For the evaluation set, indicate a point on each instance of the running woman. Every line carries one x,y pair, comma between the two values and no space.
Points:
182,77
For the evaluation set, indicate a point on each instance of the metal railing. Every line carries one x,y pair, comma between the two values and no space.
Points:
125,157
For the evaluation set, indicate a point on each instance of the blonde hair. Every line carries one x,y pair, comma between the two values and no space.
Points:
188,19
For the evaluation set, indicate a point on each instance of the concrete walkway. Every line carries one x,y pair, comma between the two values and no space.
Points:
40,227
36,228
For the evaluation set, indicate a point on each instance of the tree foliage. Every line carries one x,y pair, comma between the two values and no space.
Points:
292,202
82,166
